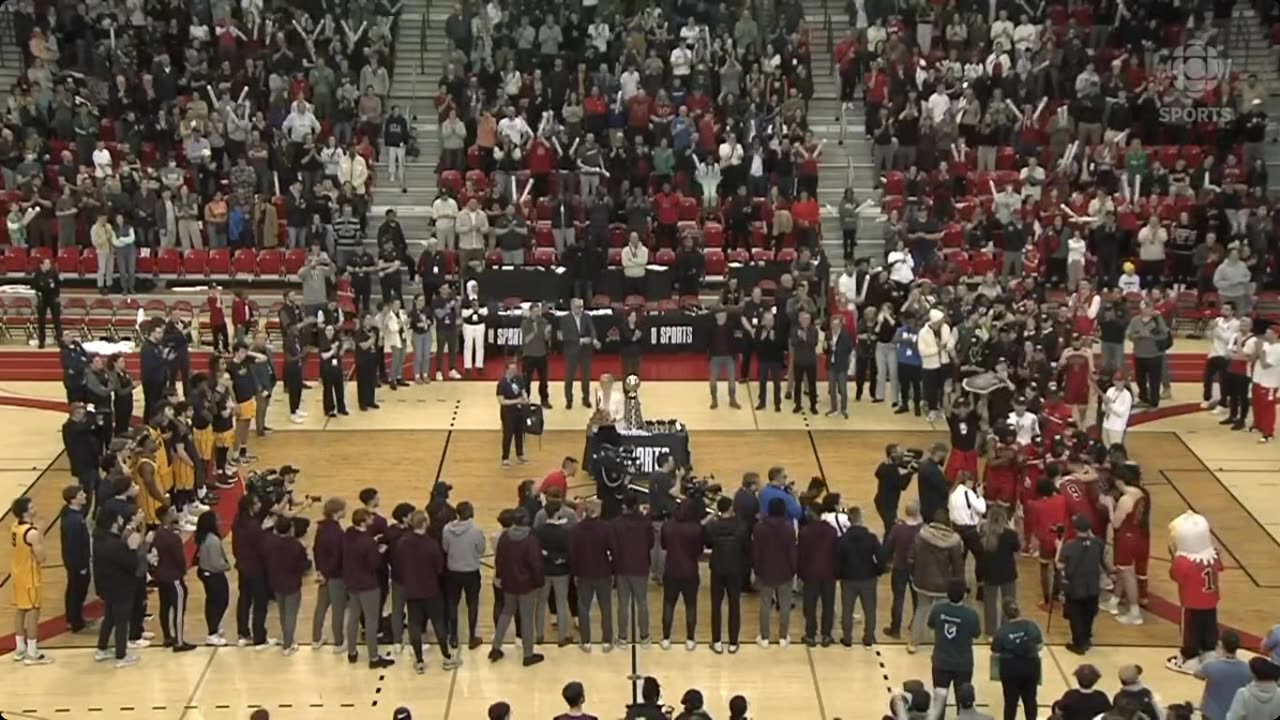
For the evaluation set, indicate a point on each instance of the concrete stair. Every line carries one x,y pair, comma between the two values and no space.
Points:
1249,47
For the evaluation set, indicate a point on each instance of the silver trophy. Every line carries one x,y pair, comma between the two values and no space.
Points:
631,414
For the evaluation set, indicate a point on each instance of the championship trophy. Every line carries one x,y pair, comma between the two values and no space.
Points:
632,417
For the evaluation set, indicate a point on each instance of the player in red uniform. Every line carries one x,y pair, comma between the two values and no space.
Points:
1000,478
1057,418
1030,470
1085,305
1077,378
1047,515
1199,592
1131,523
1080,492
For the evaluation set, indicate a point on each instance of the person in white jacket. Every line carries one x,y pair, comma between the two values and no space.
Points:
1222,331
394,326
474,313
445,212
353,169
933,343
635,263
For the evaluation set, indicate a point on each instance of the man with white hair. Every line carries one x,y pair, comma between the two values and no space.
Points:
934,342
514,128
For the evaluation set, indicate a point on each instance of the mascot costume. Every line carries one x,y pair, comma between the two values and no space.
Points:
1196,568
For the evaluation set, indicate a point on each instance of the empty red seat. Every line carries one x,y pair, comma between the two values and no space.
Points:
69,260
478,180
762,255
89,262
542,235
666,257
244,263
170,262
715,261
294,259
146,263
37,256
16,260
786,255
741,257
544,257
618,234
713,235
615,257
953,236
450,180
195,262
688,208
270,262
493,258
220,262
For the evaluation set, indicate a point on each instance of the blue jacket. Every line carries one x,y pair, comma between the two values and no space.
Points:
794,512
908,353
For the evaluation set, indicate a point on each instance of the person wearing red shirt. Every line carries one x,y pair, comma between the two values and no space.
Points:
666,208
595,109
698,103
807,168
877,91
804,213
241,316
1056,417
1199,591
639,111
559,479
1131,524
1000,480
1047,517
845,56
1031,469
540,159
1080,492
218,321
708,134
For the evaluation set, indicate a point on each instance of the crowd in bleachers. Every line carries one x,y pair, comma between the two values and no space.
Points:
157,137
1067,141
663,124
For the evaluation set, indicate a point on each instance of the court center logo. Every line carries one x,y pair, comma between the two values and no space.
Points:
1196,68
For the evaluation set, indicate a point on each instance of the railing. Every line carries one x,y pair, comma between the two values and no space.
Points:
422,42
9,36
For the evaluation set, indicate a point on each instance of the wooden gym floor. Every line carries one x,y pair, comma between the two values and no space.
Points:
448,431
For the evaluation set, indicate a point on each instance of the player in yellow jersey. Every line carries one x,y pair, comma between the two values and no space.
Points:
28,555
146,476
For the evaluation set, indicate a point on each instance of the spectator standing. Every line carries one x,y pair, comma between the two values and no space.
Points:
839,353
721,359
804,360
859,564
1000,546
816,567
635,262
473,229
1223,677
726,536
955,626
937,562
1081,562
444,210
1151,339
76,554
1259,699
1017,645
1234,281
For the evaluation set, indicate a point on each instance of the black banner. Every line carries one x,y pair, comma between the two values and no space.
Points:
663,331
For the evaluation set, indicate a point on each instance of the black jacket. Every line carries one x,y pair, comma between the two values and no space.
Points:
746,506
76,555
726,537
115,567
81,444
770,345
859,555
554,538
839,352
934,488
891,480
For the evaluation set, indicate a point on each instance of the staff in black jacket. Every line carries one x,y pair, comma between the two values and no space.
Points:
933,485
893,477
75,363
839,350
155,368
115,560
804,361
294,353
368,351
859,564
84,451
726,537
746,508
76,553
48,286
770,347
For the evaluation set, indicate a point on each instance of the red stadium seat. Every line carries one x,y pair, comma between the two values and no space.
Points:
16,260
786,255
271,263
600,300
615,257
1006,158
450,261
713,235
739,257
195,262
980,182
475,157
715,261
493,258
982,262
542,235
294,259
543,208
894,183
957,262
100,317
169,263
689,210
544,257
618,234
450,180
69,260
1007,177
1168,155
37,256
146,263
666,257
478,180
1193,155
244,263
762,255
633,301
220,262
89,262
759,234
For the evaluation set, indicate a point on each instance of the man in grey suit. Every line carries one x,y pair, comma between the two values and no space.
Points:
578,334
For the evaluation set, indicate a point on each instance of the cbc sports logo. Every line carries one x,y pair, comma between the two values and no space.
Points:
1196,69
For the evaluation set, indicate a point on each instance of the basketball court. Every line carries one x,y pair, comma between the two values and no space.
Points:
448,431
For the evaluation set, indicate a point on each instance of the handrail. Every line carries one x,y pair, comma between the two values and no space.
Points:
422,41
831,39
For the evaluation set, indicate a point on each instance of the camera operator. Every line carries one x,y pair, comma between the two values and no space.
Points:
779,488
697,492
662,505
893,477
726,536
932,484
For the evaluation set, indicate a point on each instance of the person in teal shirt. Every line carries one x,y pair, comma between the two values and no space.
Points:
1017,645
955,626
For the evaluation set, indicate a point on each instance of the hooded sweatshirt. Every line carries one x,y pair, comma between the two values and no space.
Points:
937,557
773,550
464,545
518,561
1259,700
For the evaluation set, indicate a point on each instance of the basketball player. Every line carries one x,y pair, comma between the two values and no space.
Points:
28,556
1266,383
159,428
1131,524
1077,377
200,398
1000,479
1031,468
963,422
1057,418
184,469
1079,491
244,387
224,411
1046,518
150,497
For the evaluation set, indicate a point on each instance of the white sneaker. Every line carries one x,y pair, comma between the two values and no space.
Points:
439,375
139,644
128,660
101,655
18,654
1206,404
1111,606
606,648
215,641
291,650
302,413
1130,618
148,635
1219,410
243,642
317,647
187,526
665,644
784,642
195,507
454,375
452,662
762,642
296,419
690,645
399,649
717,648
37,659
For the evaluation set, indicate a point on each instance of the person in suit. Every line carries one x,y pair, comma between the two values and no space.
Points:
839,351
804,360
76,555
578,334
